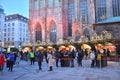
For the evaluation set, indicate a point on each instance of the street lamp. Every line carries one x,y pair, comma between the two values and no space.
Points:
19,48
33,38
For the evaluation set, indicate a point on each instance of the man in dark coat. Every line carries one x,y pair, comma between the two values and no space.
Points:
39,55
80,57
72,57
57,56
45,54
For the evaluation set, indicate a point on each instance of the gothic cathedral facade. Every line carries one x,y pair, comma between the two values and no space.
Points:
51,20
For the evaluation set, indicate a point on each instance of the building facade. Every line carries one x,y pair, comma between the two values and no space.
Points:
2,20
111,25
47,20
51,20
15,30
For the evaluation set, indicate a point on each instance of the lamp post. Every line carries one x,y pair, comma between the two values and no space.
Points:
33,38
45,19
19,47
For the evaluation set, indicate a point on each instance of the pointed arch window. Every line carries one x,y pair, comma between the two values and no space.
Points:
84,11
49,3
56,3
36,5
42,5
53,32
38,33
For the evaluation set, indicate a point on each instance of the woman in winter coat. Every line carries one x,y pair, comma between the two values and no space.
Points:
2,62
18,58
50,60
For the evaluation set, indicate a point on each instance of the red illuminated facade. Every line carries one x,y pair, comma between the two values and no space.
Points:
48,23
54,20
51,20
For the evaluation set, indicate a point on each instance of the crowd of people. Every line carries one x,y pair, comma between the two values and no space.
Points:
10,59
65,57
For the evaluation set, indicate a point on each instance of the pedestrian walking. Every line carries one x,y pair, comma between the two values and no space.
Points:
86,53
39,55
2,62
15,57
62,61
11,58
18,58
7,59
45,54
79,56
28,57
71,57
50,60
99,59
92,57
108,53
32,58
57,56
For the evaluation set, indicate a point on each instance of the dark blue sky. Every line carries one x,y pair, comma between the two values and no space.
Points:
16,6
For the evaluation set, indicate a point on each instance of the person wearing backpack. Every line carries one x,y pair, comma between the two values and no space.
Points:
92,57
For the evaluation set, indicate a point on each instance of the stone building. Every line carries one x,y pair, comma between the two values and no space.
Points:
111,25
2,21
51,20
15,30
55,19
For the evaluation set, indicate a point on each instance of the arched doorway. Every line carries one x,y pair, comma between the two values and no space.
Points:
53,33
38,32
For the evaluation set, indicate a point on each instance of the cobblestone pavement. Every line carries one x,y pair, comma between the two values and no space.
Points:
25,72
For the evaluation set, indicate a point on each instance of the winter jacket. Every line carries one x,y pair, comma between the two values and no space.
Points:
12,57
2,60
39,55
50,59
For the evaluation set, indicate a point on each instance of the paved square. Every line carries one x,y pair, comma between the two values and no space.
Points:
25,72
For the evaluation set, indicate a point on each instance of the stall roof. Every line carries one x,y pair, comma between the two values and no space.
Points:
110,20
